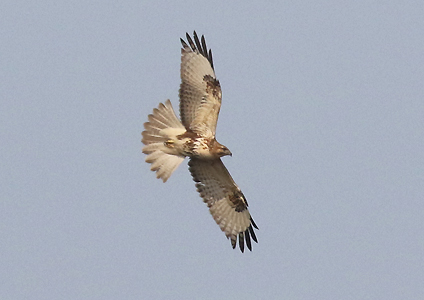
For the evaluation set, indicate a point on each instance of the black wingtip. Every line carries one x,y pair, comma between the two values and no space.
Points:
241,241
253,223
210,59
233,243
247,236
252,233
198,45
248,242
190,41
183,43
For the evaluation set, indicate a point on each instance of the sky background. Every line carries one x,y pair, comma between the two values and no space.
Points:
323,109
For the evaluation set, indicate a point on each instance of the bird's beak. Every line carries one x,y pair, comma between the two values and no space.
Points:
225,151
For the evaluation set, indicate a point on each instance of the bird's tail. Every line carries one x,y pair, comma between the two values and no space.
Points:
162,128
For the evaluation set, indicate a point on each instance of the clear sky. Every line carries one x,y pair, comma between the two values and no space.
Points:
323,109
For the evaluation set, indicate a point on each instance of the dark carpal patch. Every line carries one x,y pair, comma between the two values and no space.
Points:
213,86
238,200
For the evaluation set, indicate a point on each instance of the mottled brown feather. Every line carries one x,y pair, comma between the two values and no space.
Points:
226,202
200,91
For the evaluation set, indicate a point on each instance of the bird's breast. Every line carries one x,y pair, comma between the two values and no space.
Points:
198,147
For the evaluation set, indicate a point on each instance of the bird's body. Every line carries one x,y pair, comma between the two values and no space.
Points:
168,141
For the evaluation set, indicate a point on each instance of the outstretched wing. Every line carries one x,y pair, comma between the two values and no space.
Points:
200,91
225,200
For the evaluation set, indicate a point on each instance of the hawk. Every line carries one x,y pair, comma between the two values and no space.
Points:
168,141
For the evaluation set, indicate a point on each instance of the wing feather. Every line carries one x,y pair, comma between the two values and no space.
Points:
225,200
198,45
200,91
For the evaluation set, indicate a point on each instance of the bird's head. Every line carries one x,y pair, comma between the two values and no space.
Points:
223,151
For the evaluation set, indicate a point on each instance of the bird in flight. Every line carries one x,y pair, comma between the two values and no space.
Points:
168,141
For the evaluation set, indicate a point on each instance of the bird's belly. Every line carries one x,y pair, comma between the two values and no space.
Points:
201,149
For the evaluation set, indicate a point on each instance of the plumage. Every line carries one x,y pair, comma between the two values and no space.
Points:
168,141
200,92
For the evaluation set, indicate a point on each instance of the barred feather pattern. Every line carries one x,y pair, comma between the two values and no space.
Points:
162,130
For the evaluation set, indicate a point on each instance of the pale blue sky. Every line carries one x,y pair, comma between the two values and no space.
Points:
323,109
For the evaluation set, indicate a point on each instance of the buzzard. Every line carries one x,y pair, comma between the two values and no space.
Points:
168,141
